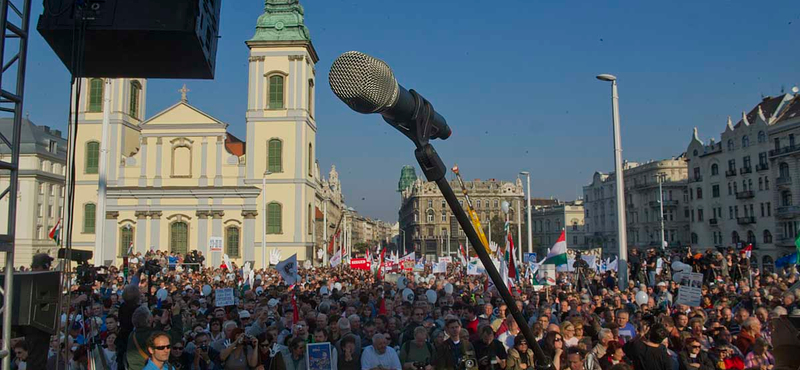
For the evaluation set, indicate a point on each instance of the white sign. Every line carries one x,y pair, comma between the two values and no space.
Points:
475,267
224,297
440,267
446,259
690,291
215,244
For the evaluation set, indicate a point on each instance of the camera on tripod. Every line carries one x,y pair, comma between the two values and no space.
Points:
85,274
152,267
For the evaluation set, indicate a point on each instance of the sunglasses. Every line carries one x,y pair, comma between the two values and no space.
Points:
558,339
161,348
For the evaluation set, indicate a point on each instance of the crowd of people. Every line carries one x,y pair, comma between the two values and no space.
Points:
161,314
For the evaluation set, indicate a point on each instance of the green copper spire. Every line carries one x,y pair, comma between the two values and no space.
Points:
282,21
407,177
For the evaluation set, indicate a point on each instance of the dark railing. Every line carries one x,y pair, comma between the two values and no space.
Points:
730,173
787,211
762,166
712,221
745,194
746,220
784,150
783,180
697,178
745,170
667,203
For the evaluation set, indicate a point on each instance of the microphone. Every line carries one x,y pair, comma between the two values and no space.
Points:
368,85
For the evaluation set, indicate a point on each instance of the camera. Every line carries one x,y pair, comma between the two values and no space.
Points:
467,363
419,365
152,267
204,348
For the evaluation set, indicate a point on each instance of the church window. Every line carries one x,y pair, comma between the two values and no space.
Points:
311,98
275,92
89,214
310,160
96,95
136,91
92,157
179,237
125,239
275,155
232,241
274,221
182,161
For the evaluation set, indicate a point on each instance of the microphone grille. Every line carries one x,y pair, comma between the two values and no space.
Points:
364,83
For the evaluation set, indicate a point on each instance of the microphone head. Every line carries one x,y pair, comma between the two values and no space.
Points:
364,83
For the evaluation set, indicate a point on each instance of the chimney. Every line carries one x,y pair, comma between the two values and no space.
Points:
46,129
57,133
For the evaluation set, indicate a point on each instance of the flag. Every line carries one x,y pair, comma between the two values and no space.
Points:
463,255
55,233
295,313
380,266
748,251
797,245
336,260
288,270
558,254
382,307
512,268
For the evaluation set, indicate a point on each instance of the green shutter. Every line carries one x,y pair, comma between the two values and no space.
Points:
96,95
179,235
125,240
232,241
275,156
274,218
92,157
276,92
136,88
89,214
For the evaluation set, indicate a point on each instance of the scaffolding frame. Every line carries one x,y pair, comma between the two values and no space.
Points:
15,26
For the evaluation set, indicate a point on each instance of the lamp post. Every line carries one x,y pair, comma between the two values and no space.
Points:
528,207
660,178
264,264
622,238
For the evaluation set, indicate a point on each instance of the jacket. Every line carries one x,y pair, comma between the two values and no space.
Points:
515,359
706,363
447,352
137,354
283,361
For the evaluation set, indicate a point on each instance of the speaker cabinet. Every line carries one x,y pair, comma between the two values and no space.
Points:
35,297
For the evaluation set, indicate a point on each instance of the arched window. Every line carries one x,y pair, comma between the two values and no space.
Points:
311,98
734,237
769,264
558,225
574,225
89,214
310,160
762,137
136,92
182,161
125,240
745,141
751,237
275,155
714,169
430,216
92,157
767,236
783,169
477,204
274,218
694,238
786,198
232,241
96,95
275,92
730,145
695,153
179,237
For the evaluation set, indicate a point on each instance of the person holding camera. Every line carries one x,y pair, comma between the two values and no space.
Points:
417,354
241,353
455,352
204,355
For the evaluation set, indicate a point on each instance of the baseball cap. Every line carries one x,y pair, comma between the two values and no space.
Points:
244,314
273,302
663,283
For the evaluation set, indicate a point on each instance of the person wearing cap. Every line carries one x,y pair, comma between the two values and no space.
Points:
520,356
663,297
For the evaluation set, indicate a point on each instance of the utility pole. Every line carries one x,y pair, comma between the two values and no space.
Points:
661,177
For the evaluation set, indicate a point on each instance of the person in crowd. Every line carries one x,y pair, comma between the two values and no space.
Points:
417,352
553,348
379,355
158,349
575,359
751,330
650,352
613,356
692,357
455,350
348,358
490,352
507,337
520,357
760,357
292,357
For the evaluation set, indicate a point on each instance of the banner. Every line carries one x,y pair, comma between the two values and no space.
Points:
288,270
360,264
336,260
475,267
215,244
690,291
318,356
446,259
530,257
440,267
224,297
391,267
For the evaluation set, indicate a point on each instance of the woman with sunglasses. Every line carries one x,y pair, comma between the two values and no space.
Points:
520,357
179,358
692,357
554,348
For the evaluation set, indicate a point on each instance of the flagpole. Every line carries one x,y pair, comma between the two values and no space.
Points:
519,229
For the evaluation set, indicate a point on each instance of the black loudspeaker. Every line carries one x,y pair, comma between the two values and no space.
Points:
136,38
35,297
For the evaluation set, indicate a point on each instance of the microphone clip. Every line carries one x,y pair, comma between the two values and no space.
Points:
419,128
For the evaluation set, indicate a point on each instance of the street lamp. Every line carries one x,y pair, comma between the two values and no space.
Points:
622,237
661,177
528,207
264,220
404,241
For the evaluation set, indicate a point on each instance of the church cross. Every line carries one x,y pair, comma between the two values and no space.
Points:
183,92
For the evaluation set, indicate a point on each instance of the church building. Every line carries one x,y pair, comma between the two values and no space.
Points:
180,181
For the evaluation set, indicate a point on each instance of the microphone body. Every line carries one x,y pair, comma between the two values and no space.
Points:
368,85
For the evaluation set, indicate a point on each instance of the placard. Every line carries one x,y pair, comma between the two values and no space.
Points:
440,268
408,265
360,264
530,257
224,297
446,259
318,356
546,274
215,244
690,291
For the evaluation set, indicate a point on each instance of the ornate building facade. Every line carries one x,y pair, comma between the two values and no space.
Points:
551,219
179,181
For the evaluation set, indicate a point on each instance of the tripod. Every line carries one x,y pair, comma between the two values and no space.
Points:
581,281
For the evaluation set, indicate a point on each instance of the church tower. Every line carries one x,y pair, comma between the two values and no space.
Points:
281,129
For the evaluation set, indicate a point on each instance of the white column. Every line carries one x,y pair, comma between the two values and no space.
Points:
102,181
220,149
155,230
249,233
216,230
141,232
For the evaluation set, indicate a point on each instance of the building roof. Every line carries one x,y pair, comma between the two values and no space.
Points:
769,106
233,145
34,139
792,110
282,21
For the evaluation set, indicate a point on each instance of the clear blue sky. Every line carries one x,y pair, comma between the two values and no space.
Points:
515,80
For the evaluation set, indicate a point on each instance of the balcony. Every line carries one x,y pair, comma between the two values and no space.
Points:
746,220
667,203
788,212
747,194
784,150
697,178
783,181
731,172
762,166
745,170
713,221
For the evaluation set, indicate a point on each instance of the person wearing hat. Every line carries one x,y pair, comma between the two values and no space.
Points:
520,357
663,297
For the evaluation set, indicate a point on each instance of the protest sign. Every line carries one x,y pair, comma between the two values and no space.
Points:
690,290
446,259
440,267
360,264
530,257
546,274
318,356
224,297
215,244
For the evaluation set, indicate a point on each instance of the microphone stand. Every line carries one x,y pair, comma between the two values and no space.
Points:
420,131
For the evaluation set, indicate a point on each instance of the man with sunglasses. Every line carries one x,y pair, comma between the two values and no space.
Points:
158,347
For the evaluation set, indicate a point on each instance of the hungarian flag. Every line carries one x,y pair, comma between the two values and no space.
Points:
55,233
558,254
380,266
512,269
747,251
463,255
